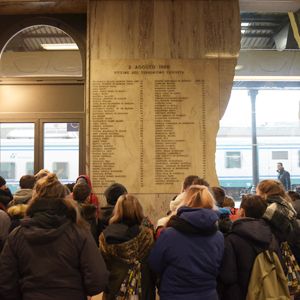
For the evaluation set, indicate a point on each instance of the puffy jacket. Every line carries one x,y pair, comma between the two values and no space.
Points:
51,263
188,256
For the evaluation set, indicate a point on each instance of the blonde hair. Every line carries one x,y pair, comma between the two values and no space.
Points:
49,187
198,196
128,208
270,187
42,173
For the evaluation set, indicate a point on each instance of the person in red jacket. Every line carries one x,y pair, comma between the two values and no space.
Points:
93,198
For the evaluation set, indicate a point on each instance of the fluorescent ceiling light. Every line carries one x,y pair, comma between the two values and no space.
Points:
239,67
245,24
60,46
243,31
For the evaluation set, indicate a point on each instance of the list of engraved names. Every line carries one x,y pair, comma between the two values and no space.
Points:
171,158
146,127
111,109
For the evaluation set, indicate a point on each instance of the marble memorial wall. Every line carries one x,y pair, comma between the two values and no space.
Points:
160,76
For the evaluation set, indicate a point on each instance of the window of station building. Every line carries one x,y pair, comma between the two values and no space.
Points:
41,51
267,75
278,139
233,160
280,155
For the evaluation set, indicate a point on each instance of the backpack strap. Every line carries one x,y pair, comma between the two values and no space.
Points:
2,206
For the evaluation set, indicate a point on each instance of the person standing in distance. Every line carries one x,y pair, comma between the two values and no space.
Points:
284,177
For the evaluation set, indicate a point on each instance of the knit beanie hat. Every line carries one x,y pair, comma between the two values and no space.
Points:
113,192
2,181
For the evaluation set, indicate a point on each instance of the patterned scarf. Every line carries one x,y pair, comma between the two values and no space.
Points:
279,214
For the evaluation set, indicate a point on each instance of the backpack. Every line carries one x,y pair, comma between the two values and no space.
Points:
267,280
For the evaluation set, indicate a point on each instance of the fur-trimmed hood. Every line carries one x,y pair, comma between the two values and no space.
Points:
17,211
88,210
132,250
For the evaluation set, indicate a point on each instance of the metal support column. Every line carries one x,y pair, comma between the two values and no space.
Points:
255,176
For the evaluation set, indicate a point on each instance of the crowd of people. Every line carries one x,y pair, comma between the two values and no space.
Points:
57,243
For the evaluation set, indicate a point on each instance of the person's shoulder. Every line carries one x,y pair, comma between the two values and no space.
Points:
4,215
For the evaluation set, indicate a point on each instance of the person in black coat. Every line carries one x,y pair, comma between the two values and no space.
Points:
294,236
112,194
81,194
5,194
225,223
248,230
284,176
52,255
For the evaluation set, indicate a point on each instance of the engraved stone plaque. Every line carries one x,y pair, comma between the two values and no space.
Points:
149,122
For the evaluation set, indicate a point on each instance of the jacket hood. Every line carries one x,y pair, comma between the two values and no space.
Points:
200,218
23,196
131,250
36,234
105,213
120,232
254,230
87,179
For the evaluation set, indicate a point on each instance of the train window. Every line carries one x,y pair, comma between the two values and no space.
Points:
61,169
8,170
233,160
29,168
280,155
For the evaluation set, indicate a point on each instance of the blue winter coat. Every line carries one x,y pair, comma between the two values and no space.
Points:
188,262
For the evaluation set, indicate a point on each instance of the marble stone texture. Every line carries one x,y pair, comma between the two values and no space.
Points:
186,31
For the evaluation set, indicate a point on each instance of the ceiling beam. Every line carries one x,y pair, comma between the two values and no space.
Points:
42,7
270,5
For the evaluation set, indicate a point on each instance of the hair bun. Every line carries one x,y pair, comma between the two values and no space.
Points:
51,179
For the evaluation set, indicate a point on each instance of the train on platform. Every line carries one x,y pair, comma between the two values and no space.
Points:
233,158
61,156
